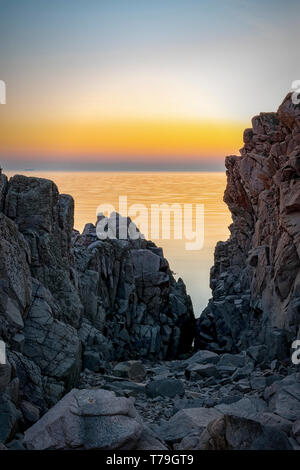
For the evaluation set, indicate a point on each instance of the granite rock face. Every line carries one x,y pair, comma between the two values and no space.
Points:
15,279
45,218
130,295
71,301
256,276
51,344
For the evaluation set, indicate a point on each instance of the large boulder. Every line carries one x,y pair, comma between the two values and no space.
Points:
285,398
165,388
203,357
133,370
87,420
186,422
235,433
244,408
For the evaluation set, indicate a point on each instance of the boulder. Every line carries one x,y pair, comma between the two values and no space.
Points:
198,441
165,388
86,420
286,401
186,422
236,433
232,360
245,408
203,357
134,370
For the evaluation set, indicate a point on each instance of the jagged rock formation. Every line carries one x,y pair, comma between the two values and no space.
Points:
128,293
71,305
71,301
256,276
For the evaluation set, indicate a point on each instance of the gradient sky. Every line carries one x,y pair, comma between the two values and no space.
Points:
144,84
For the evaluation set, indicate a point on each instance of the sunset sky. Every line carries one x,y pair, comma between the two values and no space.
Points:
139,84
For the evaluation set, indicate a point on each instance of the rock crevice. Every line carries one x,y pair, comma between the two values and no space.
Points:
70,301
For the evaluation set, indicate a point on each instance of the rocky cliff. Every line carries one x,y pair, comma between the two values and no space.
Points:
256,276
70,301
73,307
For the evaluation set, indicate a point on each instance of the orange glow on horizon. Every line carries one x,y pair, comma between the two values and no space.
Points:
122,139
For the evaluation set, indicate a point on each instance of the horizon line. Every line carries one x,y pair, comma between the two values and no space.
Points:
114,170
116,166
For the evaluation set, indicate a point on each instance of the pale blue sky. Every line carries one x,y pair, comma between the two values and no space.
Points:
246,50
187,59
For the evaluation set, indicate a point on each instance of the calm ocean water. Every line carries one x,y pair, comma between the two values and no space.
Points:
90,189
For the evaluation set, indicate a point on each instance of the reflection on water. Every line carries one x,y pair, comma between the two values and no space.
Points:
90,189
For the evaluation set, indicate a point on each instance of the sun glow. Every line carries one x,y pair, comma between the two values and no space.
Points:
120,138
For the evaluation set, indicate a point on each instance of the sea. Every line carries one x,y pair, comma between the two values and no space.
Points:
198,218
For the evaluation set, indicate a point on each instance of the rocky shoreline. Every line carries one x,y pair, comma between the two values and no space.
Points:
103,348
255,280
